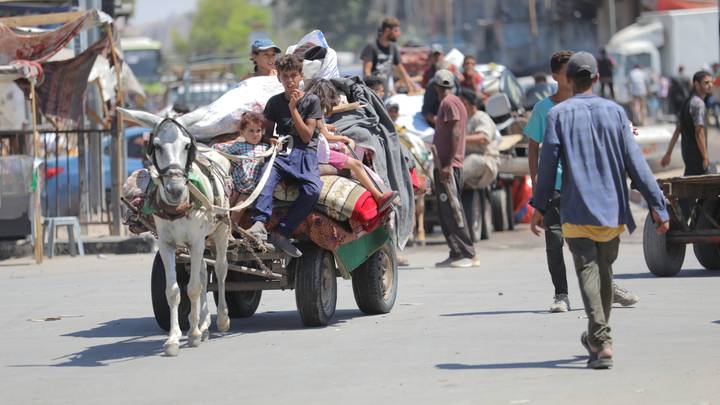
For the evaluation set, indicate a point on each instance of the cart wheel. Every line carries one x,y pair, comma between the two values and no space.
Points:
315,285
498,202
241,304
486,225
472,205
375,282
708,254
664,259
161,309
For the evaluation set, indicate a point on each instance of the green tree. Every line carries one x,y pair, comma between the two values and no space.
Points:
344,23
223,27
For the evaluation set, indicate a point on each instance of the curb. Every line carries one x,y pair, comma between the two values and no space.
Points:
117,245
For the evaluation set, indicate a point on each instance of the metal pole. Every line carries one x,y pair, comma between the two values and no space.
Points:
612,17
37,217
449,23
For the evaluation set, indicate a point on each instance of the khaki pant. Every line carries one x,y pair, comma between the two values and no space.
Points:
593,264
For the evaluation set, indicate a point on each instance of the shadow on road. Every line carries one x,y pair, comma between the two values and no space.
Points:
689,273
143,338
577,362
504,312
717,322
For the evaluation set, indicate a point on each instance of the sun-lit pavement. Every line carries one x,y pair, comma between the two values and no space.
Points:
455,336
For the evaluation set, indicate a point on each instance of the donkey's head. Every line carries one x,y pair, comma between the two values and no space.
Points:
171,149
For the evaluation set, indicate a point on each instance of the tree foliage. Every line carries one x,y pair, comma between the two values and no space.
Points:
345,23
223,27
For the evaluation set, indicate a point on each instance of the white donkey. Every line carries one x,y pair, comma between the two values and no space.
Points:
180,223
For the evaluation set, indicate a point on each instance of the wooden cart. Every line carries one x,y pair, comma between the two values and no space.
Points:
694,208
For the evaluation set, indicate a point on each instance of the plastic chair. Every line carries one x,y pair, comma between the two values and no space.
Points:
73,229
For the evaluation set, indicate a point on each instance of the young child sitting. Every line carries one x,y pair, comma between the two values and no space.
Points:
337,158
246,172
296,114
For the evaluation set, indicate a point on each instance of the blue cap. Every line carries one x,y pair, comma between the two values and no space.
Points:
264,44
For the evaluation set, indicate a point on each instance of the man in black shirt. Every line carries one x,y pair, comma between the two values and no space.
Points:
296,114
691,125
606,66
382,57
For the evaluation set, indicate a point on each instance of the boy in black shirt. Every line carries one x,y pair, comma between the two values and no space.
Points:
296,114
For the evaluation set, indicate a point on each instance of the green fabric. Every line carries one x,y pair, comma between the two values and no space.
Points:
195,179
33,184
352,254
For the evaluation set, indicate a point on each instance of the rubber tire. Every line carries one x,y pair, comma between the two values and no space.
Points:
472,205
662,258
498,202
708,254
311,276
368,286
241,304
161,309
487,225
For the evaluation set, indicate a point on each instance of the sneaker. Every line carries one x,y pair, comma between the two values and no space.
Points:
603,358
592,356
258,231
462,263
402,261
445,263
283,244
623,296
561,303
475,261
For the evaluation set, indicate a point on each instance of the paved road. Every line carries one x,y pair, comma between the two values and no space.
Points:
476,336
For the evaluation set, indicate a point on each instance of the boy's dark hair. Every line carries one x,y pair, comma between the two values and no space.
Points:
558,60
372,81
700,75
472,98
389,22
540,77
251,118
582,82
468,57
326,92
289,63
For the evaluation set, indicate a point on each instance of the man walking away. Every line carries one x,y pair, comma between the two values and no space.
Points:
382,57
535,130
638,90
598,151
606,66
449,140
691,124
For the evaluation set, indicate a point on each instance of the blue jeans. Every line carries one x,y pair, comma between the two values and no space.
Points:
300,168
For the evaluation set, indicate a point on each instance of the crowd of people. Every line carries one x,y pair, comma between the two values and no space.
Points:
581,149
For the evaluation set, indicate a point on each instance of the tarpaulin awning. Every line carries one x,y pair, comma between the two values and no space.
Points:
62,92
39,47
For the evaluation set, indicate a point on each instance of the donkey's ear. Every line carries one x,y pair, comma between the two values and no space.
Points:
193,117
141,117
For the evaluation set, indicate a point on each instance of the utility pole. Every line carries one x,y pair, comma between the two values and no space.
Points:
612,17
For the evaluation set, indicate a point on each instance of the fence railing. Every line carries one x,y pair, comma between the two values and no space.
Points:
76,171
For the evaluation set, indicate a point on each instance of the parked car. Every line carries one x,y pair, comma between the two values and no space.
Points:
61,195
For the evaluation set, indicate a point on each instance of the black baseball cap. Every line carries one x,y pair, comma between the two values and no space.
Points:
582,64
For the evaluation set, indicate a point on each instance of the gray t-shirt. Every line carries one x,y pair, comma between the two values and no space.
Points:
481,122
277,110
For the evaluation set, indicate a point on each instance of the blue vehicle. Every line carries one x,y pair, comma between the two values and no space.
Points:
61,195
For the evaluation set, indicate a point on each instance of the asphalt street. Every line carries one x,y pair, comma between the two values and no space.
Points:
470,336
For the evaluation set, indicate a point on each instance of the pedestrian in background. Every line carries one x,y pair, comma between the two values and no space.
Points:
381,58
639,91
449,141
691,125
592,137
606,68
680,88
471,79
